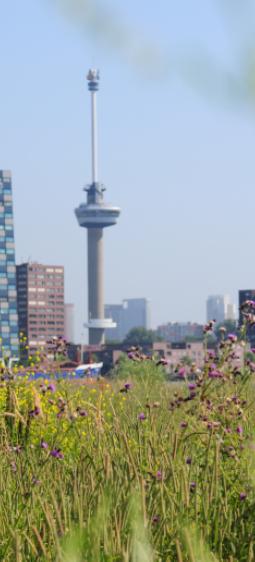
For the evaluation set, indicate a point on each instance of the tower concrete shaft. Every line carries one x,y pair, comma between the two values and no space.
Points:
95,283
95,215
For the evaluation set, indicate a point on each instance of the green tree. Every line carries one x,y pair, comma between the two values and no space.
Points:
140,336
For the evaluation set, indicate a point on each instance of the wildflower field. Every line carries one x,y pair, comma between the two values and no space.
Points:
130,468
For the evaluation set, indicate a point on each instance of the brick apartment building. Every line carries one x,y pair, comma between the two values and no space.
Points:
40,295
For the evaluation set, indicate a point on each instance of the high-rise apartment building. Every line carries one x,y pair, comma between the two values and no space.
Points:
132,313
8,294
219,308
41,310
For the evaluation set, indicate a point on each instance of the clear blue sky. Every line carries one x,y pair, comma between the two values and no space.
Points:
176,144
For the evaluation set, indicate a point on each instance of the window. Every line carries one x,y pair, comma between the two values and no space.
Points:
3,292
14,341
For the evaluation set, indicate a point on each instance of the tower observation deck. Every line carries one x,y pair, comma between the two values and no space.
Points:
95,215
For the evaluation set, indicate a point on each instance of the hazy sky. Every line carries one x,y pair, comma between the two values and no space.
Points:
177,133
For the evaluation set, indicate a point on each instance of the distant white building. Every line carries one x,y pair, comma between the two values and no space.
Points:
69,322
220,308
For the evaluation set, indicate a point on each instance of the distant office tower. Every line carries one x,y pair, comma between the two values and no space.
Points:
69,322
176,332
219,308
95,215
132,313
41,309
231,311
9,344
215,308
115,312
136,314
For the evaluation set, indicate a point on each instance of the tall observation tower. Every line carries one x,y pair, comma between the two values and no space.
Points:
95,215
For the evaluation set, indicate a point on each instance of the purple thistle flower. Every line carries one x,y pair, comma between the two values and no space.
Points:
127,385
182,372
188,460
243,496
83,413
51,387
192,386
184,424
215,374
159,475
239,430
43,444
192,486
56,453
35,412
232,337
156,519
142,416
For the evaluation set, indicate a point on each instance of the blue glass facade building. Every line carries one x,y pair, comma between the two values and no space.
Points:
8,293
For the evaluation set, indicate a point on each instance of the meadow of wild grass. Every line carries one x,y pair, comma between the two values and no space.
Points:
130,469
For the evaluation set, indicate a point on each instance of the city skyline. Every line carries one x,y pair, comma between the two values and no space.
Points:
186,152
